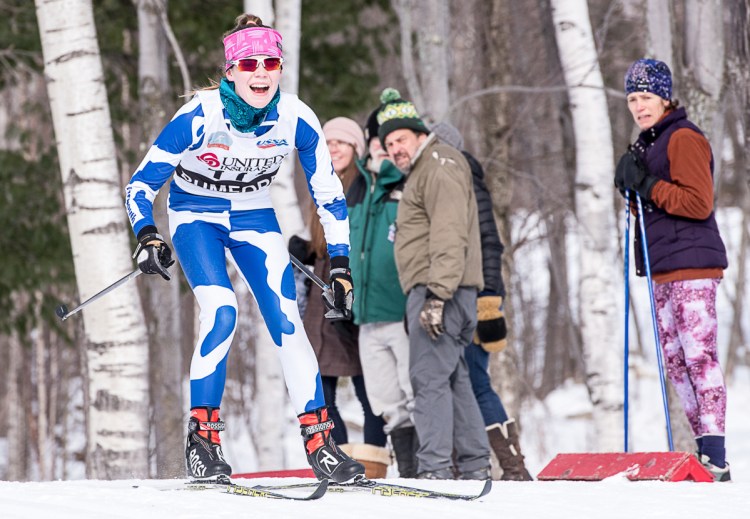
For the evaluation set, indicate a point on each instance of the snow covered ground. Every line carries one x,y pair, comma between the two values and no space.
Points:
613,498
560,425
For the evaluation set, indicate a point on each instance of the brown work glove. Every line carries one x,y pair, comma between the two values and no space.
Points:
431,316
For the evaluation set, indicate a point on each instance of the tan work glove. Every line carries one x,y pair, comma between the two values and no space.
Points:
491,331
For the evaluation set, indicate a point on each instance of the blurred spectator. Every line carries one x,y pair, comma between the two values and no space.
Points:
439,263
380,304
335,342
491,333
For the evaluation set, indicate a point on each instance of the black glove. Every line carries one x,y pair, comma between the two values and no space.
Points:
299,248
431,315
153,255
342,285
491,331
631,173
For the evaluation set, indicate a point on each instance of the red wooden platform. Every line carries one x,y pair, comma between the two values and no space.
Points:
636,466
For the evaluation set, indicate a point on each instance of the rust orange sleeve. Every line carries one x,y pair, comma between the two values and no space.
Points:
691,193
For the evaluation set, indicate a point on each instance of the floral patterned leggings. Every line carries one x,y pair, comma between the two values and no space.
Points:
686,318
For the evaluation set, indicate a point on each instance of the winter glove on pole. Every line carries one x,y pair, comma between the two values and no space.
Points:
632,173
298,247
431,316
491,331
153,255
342,285
620,172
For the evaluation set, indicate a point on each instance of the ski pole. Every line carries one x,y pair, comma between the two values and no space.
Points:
653,319
62,310
626,251
333,313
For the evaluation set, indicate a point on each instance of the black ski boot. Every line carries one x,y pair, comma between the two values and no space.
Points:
203,454
327,460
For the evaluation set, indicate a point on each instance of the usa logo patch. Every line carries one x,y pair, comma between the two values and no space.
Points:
271,143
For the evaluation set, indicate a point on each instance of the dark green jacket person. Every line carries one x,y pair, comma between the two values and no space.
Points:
372,216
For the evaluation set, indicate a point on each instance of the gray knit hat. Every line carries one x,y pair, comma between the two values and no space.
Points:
449,134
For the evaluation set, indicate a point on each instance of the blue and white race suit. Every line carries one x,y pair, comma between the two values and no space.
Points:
220,209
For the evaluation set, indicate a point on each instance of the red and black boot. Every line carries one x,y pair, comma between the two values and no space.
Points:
326,460
203,454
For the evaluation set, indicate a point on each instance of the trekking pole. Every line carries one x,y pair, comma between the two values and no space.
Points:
62,310
626,367
333,313
662,379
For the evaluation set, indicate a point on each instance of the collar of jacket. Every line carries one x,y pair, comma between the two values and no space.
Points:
649,136
388,175
429,140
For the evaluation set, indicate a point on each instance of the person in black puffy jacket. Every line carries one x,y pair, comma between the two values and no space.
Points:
491,331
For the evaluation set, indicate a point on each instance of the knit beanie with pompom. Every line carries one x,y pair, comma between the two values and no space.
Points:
397,114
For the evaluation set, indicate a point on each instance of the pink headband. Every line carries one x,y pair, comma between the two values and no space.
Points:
253,41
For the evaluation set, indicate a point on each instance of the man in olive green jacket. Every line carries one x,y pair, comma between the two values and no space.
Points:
438,256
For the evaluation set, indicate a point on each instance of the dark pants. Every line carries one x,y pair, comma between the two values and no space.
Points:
373,428
489,402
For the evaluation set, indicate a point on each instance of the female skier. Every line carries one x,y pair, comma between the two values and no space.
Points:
222,150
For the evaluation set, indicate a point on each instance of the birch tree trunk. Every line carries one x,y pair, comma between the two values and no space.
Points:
16,417
403,9
262,9
117,354
269,377
432,46
738,71
703,76
488,124
594,161
45,449
163,299
659,18
700,84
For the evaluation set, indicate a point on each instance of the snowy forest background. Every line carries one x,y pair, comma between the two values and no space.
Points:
534,85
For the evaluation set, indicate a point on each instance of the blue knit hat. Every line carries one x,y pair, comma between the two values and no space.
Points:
649,75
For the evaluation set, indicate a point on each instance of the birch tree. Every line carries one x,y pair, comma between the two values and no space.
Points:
593,203
738,71
702,88
115,334
15,410
703,76
432,47
426,77
659,18
163,299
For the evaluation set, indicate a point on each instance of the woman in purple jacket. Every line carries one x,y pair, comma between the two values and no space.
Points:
671,167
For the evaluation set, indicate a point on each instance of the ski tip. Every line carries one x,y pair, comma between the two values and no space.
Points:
321,490
487,488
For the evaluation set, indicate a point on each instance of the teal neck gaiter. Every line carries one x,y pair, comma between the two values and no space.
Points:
243,116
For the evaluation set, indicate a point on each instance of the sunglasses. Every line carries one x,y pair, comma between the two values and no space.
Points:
251,64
